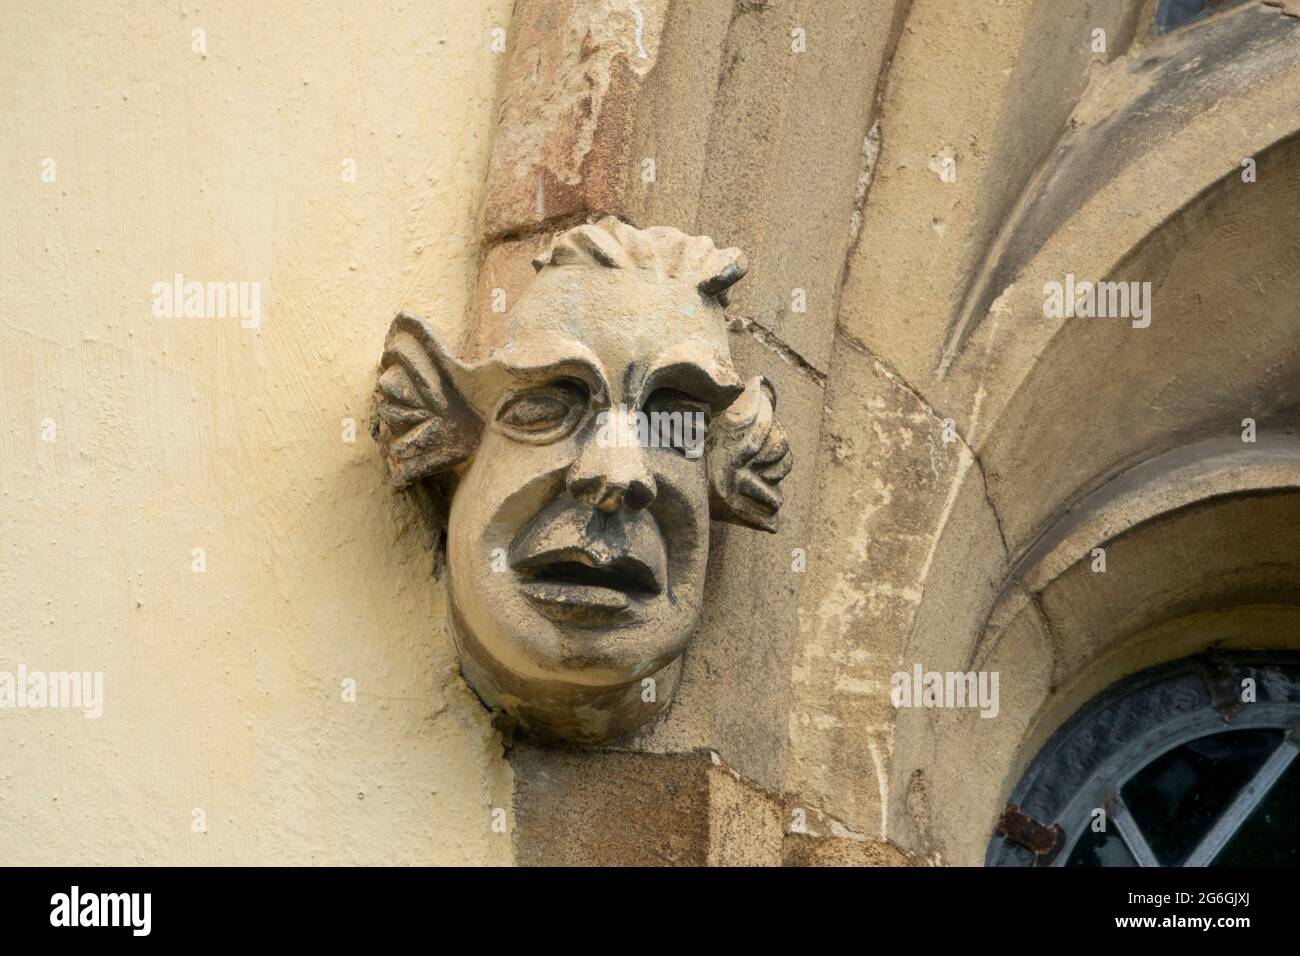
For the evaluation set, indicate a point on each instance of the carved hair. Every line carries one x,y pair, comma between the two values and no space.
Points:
668,252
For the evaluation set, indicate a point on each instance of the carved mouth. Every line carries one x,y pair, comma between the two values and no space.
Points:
573,586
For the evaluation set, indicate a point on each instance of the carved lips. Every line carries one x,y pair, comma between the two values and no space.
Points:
581,567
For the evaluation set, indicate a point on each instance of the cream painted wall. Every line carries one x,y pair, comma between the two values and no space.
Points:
223,688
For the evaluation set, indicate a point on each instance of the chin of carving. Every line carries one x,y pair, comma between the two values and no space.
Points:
576,552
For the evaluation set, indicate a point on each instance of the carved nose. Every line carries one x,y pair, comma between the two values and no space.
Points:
612,478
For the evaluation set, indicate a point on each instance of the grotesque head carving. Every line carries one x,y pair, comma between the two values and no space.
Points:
585,451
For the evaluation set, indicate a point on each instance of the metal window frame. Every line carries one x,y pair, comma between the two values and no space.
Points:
1086,763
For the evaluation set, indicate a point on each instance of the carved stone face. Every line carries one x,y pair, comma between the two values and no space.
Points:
576,548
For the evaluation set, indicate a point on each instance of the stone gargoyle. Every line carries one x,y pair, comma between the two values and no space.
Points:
580,459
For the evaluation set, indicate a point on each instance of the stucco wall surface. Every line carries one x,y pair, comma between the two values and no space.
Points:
133,149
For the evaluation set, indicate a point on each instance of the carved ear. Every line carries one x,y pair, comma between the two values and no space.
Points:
748,455
422,424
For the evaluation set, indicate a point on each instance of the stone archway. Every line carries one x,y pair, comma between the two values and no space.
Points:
1128,440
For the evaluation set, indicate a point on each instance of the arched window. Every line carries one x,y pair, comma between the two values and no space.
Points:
1171,14
1185,764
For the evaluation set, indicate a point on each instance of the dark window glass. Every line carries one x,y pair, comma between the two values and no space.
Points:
1174,13
1176,798
1101,849
1271,835
1181,785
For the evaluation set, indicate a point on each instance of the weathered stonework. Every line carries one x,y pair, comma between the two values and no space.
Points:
584,455
566,116
640,809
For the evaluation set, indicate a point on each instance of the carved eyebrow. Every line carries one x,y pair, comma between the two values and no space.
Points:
566,368
718,387
516,374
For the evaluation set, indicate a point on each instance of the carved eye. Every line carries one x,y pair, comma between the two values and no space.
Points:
678,421
671,400
545,413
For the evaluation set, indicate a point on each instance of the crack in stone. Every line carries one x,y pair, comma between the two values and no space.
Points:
775,343
1036,599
